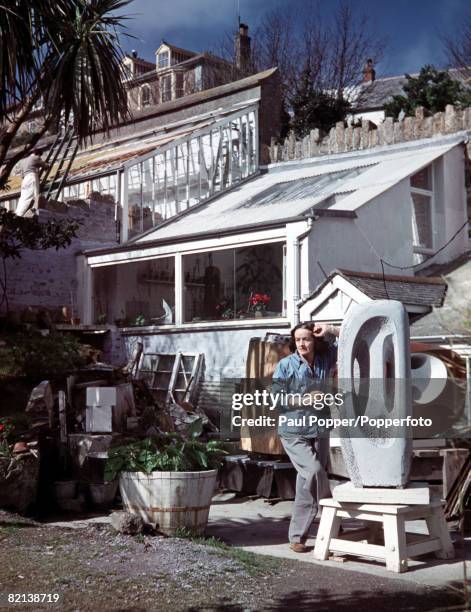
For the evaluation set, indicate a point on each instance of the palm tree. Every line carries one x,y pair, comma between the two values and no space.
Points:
67,53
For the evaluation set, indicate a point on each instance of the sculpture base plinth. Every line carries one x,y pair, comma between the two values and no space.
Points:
416,493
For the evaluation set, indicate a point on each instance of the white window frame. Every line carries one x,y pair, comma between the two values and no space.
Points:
210,245
430,193
160,55
166,93
148,102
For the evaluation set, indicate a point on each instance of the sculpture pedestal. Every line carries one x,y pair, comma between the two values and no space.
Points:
398,546
415,494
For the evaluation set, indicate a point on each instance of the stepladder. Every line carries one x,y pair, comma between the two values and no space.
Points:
385,537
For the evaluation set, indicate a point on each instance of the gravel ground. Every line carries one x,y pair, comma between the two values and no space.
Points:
95,568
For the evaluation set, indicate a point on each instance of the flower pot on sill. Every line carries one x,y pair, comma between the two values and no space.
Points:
258,314
172,500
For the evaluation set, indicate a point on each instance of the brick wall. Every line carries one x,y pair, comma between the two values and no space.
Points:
48,279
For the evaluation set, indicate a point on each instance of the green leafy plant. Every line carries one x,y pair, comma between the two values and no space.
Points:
6,429
52,356
164,453
432,89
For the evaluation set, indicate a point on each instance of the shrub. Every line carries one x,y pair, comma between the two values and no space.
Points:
52,356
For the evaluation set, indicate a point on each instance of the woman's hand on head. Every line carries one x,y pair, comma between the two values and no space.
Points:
323,329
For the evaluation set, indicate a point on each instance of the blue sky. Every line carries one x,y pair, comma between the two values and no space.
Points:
412,27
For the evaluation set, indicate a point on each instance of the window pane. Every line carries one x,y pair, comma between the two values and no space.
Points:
134,199
188,173
259,280
179,89
209,286
166,87
422,179
163,59
140,293
422,221
243,283
147,194
145,96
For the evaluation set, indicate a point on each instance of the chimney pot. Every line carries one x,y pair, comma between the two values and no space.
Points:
242,50
369,73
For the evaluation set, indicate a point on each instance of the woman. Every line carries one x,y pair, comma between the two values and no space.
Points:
313,360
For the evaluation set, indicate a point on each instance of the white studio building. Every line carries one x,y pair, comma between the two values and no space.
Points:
236,250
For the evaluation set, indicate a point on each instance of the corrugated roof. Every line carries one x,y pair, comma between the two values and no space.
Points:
356,179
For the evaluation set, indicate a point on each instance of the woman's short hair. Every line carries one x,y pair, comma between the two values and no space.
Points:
319,345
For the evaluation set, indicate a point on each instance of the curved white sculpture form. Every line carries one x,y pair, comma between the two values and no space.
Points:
374,375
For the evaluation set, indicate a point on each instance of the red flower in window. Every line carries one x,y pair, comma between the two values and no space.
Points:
259,298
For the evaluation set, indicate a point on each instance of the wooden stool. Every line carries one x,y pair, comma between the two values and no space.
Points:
398,545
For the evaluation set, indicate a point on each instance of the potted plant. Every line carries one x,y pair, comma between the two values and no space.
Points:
258,303
19,471
168,480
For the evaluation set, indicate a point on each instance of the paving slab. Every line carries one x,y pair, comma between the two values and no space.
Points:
262,527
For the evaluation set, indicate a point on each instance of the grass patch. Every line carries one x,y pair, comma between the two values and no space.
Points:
8,529
252,563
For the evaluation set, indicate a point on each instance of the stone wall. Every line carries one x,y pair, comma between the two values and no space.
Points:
342,138
48,279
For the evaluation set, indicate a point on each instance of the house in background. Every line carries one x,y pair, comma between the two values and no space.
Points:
175,73
370,97
179,72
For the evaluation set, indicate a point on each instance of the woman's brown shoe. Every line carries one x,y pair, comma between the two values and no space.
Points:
298,547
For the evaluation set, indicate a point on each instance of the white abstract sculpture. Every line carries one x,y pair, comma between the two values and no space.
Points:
374,376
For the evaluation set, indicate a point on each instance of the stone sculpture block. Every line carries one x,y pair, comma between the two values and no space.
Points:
374,376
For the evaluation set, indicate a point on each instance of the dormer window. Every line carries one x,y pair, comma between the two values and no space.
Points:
163,59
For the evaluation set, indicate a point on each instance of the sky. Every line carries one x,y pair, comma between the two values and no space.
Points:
412,28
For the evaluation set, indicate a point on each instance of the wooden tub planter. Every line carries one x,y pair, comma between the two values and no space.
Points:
170,500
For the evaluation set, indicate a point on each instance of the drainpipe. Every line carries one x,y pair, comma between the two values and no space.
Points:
297,268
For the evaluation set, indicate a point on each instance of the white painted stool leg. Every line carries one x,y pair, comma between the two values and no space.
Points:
395,545
437,528
328,529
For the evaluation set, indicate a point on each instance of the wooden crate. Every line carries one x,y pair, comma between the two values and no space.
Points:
438,465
